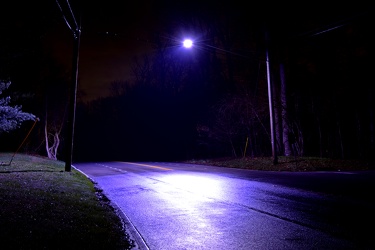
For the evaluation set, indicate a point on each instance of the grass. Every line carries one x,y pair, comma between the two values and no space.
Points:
44,207
289,164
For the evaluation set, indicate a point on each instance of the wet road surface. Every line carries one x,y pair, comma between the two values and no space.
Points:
184,206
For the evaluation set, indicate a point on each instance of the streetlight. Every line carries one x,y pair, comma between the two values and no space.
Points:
270,102
188,43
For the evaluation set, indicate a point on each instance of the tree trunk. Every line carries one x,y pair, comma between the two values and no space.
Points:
287,143
46,137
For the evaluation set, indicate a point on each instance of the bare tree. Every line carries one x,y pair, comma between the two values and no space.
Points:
55,109
52,137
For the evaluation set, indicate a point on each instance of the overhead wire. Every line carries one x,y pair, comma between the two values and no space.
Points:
334,26
71,12
77,28
62,12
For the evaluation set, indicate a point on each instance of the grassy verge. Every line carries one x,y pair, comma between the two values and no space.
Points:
289,164
44,207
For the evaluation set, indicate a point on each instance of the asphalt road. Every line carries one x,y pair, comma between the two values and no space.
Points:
184,206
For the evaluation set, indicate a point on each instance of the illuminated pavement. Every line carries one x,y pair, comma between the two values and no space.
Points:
179,206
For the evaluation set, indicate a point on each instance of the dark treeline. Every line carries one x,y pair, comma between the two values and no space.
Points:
212,100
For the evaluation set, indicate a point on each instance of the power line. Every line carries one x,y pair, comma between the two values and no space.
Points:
71,13
335,25
76,30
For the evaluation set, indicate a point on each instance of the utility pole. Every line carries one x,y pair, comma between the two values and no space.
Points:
270,103
72,101
76,29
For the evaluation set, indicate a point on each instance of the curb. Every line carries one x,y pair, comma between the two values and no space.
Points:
129,228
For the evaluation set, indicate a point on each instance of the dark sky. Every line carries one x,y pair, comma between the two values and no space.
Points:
107,57
114,32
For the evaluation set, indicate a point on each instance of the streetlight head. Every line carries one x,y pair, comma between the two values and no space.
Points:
187,43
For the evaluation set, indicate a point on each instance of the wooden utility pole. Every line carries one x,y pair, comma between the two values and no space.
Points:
270,103
72,101
71,22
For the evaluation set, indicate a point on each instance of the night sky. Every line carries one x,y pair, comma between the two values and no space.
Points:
115,32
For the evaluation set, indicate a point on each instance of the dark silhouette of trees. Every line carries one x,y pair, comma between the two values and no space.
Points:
211,101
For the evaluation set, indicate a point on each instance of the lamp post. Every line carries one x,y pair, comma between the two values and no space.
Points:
270,104
188,43
270,101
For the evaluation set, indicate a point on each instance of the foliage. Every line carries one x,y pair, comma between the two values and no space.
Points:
293,164
11,118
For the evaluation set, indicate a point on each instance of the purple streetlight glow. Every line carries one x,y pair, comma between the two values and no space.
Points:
187,43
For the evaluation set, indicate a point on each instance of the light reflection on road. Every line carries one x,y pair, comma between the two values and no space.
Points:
189,199
203,185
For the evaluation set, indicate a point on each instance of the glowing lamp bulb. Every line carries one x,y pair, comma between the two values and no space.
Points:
188,43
